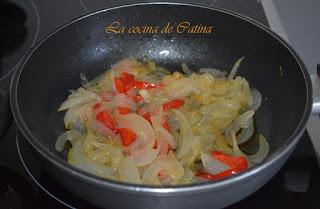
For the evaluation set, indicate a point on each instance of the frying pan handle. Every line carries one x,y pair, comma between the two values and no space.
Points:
315,78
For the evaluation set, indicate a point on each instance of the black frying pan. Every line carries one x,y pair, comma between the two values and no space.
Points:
53,67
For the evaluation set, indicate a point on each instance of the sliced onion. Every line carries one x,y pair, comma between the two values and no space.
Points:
164,178
64,137
122,100
71,116
234,69
140,126
106,106
166,163
76,158
100,128
186,135
144,156
262,152
243,121
256,100
78,127
162,132
186,69
145,95
125,65
206,111
113,85
199,179
176,171
225,109
80,113
128,171
136,146
187,177
212,165
83,79
80,96
117,140
202,144
162,144
246,132
181,88
106,95
92,84
150,176
100,152
216,73
236,149
173,122
221,143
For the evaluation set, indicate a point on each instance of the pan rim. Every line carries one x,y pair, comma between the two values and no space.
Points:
157,190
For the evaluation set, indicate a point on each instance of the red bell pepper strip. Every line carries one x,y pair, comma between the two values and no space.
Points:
238,163
128,81
120,86
107,120
144,85
155,146
124,110
137,98
162,173
129,86
96,106
128,136
174,104
166,125
127,78
124,83
145,115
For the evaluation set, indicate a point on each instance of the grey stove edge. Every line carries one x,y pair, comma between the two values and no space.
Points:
285,18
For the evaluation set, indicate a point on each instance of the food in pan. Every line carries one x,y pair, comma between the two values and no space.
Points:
140,123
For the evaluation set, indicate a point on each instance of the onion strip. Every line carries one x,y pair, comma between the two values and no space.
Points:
185,134
156,123
77,158
80,96
128,171
262,152
243,121
246,132
186,69
234,69
256,100
212,165
64,137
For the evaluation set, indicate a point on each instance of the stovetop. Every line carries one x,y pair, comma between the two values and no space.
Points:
24,183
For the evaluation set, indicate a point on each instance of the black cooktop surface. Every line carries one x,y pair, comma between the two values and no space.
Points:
20,24
24,182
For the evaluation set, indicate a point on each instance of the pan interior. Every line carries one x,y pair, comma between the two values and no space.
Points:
83,46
